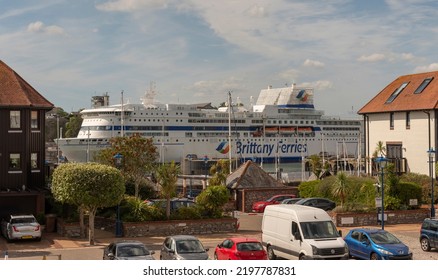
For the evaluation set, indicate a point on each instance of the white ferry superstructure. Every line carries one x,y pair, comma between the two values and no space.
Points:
283,126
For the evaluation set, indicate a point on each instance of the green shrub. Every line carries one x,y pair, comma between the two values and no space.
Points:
187,213
406,191
212,200
309,189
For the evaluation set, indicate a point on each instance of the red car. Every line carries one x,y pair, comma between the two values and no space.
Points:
259,206
240,248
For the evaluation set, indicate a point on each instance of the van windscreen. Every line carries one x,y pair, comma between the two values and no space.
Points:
315,230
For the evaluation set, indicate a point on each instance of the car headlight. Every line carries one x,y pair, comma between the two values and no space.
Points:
346,249
315,250
383,251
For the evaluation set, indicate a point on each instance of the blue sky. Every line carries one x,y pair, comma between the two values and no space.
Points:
198,50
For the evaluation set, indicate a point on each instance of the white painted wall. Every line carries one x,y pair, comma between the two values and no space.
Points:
415,140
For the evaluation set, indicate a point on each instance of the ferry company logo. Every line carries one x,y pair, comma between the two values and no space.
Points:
223,147
302,95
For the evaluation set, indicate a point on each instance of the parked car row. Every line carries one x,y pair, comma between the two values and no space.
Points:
318,202
187,247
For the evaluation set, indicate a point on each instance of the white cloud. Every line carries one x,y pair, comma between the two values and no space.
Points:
39,27
426,68
131,5
318,85
258,11
407,56
313,63
372,58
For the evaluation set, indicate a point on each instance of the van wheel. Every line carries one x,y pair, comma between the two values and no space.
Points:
301,257
425,245
271,254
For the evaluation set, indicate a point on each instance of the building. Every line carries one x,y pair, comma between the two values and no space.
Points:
22,149
403,116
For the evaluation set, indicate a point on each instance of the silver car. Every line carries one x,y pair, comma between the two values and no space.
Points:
17,227
127,250
183,247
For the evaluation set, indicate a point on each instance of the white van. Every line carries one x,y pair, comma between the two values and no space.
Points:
304,232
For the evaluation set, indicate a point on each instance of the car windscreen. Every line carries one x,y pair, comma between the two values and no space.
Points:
249,246
315,230
382,237
25,220
189,247
132,250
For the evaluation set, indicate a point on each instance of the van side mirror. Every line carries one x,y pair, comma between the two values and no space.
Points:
340,233
297,236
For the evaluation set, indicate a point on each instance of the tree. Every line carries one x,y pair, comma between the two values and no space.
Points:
220,172
212,199
380,149
90,186
167,177
73,125
316,165
340,187
139,158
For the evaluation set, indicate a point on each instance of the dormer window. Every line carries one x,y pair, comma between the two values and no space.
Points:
396,92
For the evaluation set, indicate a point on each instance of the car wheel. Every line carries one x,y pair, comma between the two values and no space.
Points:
215,256
271,254
425,245
374,257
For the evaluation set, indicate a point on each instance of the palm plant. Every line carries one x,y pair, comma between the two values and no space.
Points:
340,187
167,176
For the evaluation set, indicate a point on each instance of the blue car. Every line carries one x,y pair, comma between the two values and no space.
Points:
376,244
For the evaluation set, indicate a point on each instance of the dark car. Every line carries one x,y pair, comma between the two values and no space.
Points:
240,248
259,206
429,234
291,200
376,244
127,250
322,203
183,247
175,203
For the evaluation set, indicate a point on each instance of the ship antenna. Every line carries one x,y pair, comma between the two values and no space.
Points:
122,116
229,130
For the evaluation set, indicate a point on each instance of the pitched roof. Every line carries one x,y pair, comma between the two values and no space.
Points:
403,95
250,175
15,91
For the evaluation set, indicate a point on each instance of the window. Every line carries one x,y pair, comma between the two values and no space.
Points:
396,92
14,162
34,160
391,120
34,119
408,120
15,121
423,85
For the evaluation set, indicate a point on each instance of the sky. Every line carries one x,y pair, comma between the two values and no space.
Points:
196,51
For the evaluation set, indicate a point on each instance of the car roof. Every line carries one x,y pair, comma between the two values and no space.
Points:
243,239
22,215
368,230
125,242
183,237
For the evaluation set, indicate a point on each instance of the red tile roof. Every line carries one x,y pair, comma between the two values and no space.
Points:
15,91
407,100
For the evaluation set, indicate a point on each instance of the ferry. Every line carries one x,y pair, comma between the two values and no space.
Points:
282,126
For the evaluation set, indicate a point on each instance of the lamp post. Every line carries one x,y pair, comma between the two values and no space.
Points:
382,161
118,160
431,153
189,157
205,166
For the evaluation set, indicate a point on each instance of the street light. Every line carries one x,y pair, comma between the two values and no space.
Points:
118,160
382,161
431,153
205,166
189,157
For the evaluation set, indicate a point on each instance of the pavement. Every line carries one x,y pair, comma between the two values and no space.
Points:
53,245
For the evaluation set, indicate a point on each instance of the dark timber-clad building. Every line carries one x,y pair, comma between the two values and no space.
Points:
22,149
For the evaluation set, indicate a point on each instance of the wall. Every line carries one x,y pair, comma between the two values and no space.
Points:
370,219
156,228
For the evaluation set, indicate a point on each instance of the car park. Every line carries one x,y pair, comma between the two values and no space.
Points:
183,247
376,244
318,202
240,248
259,206
429,234
18,227
127,250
